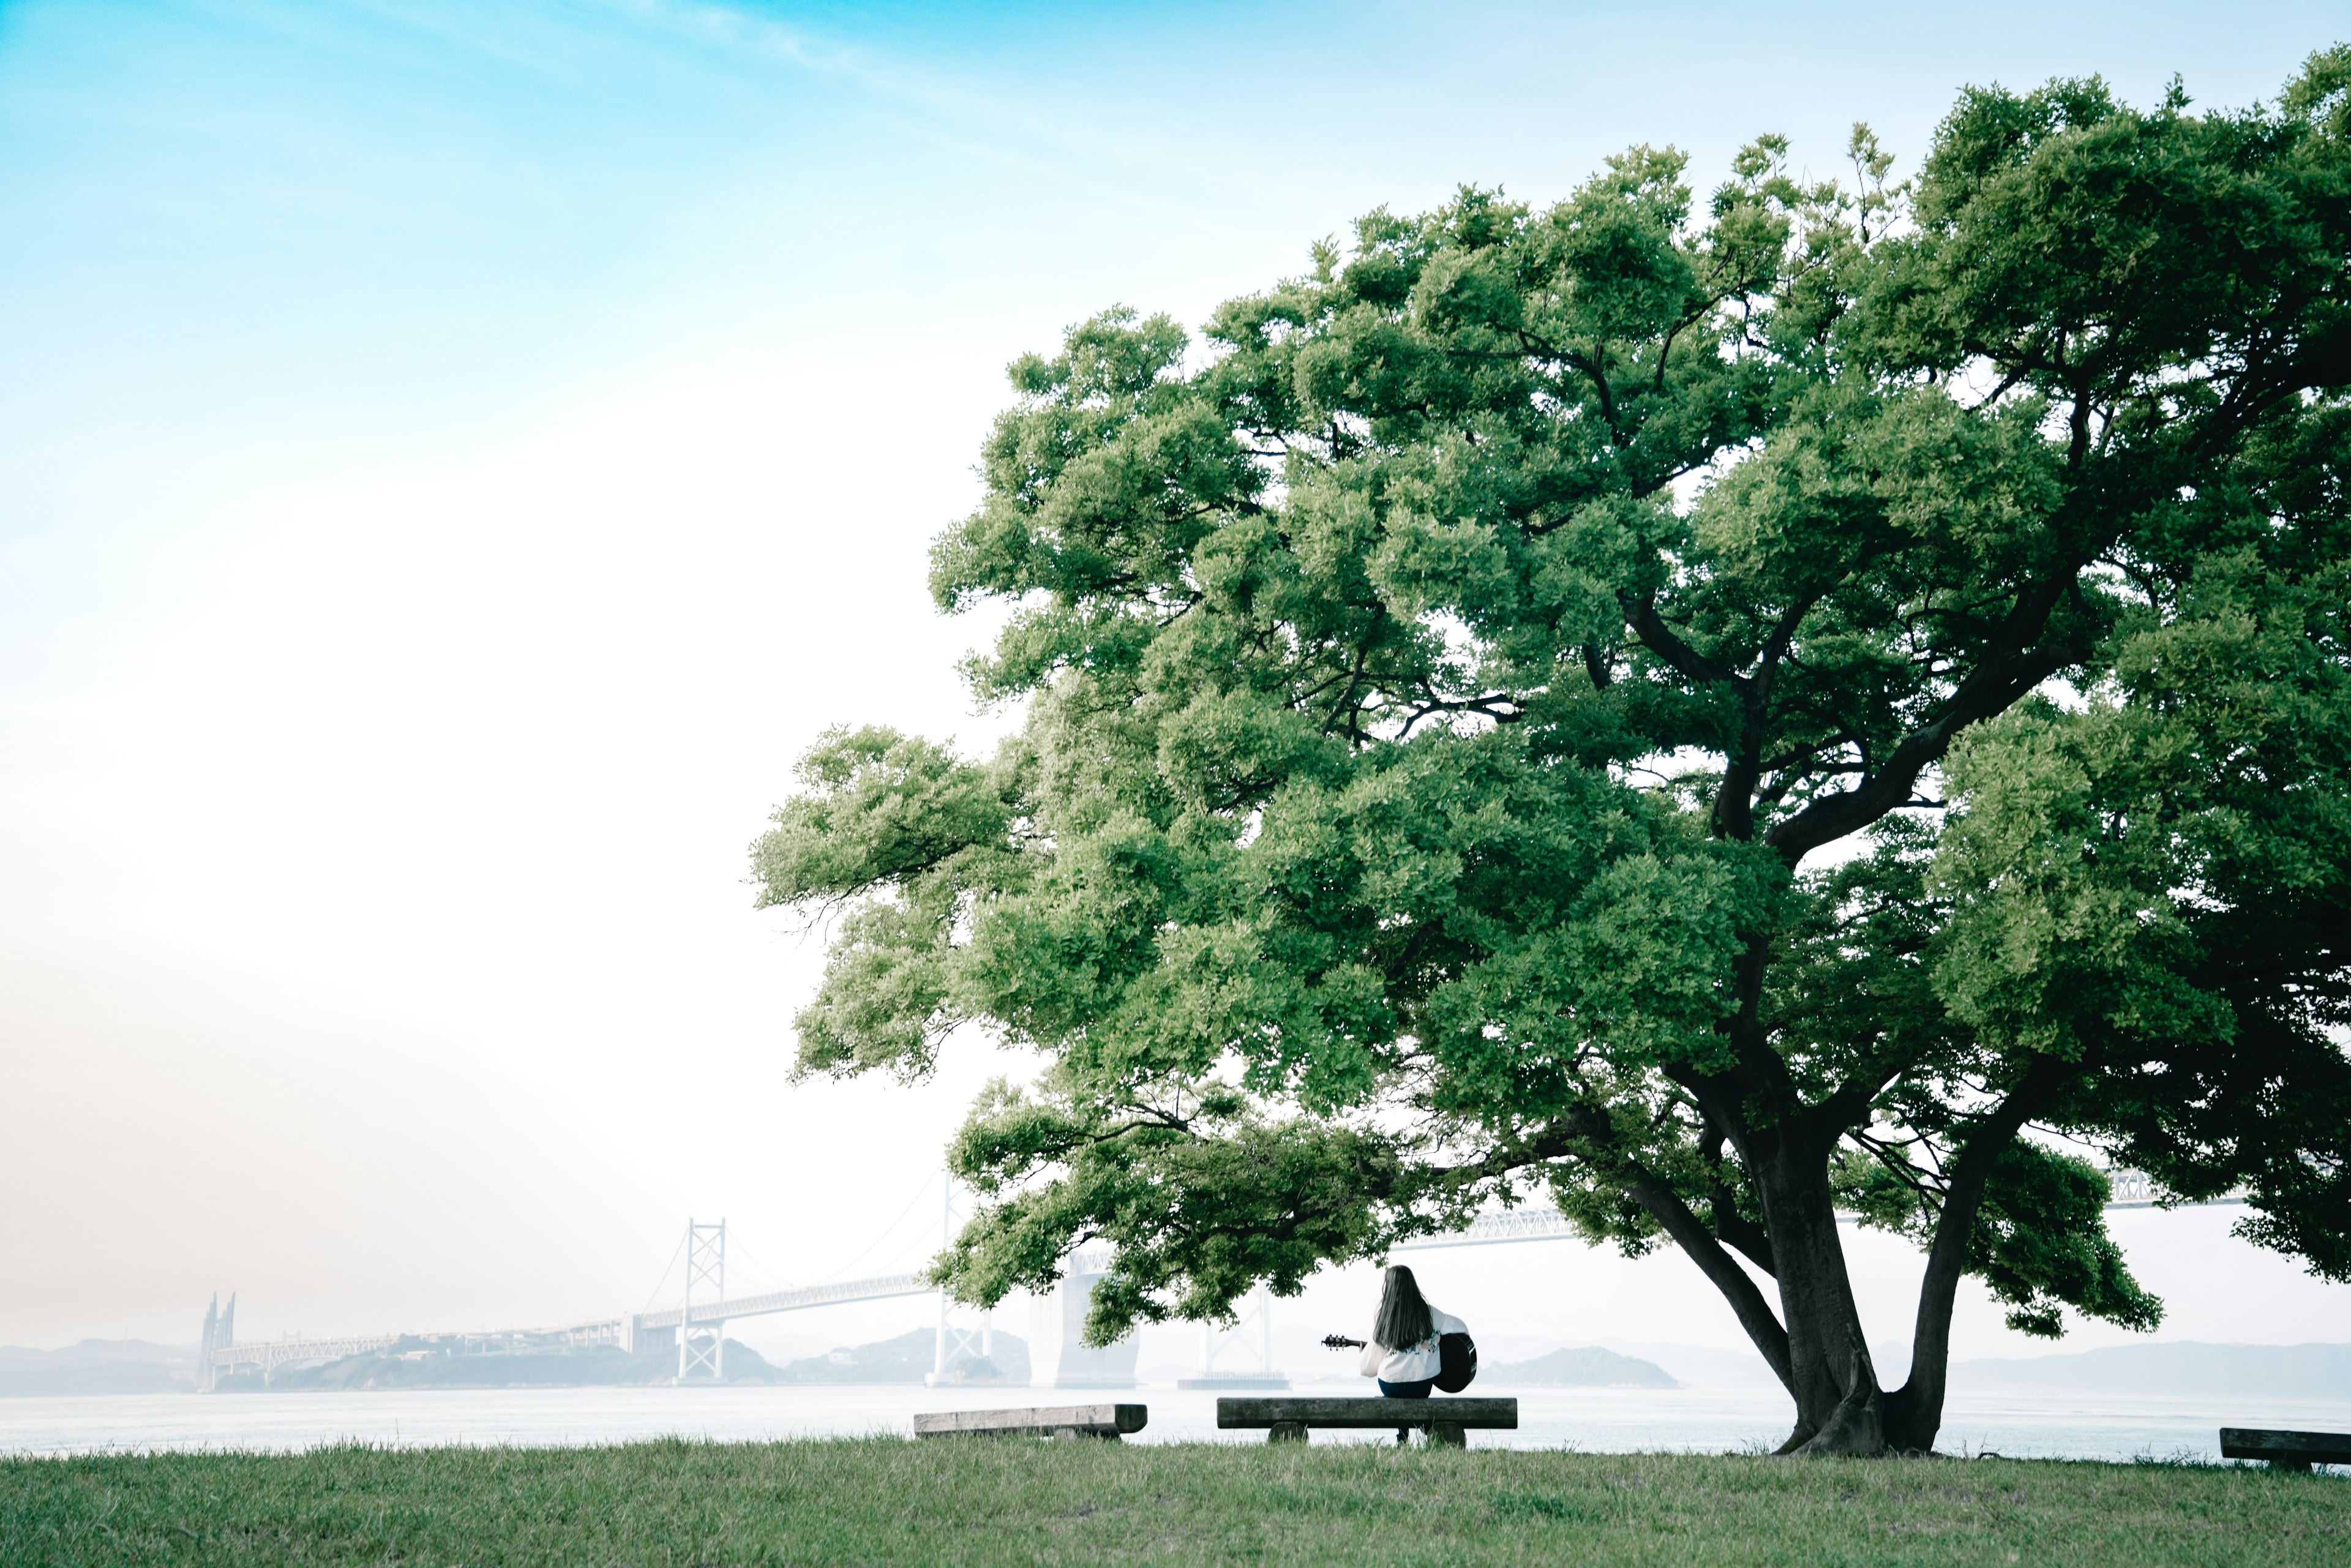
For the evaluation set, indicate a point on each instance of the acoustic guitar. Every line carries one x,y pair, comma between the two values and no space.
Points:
1456,1358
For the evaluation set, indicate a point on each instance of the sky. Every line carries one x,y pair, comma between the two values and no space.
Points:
454,458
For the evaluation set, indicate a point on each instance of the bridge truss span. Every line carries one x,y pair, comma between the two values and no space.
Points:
267,1355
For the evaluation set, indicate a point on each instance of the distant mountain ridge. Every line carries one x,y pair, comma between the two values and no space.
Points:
1583,1366
407,1365
2278,1371
909,1358
96,1366
92,1352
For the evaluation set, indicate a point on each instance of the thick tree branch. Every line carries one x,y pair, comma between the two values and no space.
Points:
1848,1105
1595,665
1666,643
1918,1406
1690,1234
1590,1128
1734,802
1722,1102
1737,1230
1734,1227
2010,670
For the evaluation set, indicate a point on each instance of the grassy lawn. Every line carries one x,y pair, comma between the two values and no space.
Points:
991,1501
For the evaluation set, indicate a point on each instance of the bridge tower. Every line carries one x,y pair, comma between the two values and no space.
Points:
701,1347
1257,1322
204,1346
219,1334
954,1342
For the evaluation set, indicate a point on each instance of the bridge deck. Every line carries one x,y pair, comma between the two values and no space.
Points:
271,1354
792,1300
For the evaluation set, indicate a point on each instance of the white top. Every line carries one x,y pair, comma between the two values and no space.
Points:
1416,1362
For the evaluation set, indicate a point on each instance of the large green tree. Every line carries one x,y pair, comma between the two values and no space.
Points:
1836,699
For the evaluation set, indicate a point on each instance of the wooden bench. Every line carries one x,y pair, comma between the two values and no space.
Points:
1447,1421
1067,1422
2286,1450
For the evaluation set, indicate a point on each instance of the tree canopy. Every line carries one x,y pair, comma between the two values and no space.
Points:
1702,715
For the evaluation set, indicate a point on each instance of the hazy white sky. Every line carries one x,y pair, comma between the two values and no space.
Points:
454,457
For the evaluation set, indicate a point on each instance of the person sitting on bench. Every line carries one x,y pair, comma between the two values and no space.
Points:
1404,1354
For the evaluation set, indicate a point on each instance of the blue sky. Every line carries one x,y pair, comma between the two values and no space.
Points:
368,224
321,234
454,457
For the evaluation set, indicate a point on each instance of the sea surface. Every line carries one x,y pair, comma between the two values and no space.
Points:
1700,1420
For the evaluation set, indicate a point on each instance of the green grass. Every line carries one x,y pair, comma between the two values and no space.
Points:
996,1501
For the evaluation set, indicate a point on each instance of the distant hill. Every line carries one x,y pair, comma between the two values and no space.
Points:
93,1352
909,1358
781,1347
1701,1366
1587,1366
2278,1371
414,1366
96,1367
137,1367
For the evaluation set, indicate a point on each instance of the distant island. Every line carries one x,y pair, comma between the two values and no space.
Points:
96,1367
2188,1369
404,1364
909,1358
1587,1366
139,1367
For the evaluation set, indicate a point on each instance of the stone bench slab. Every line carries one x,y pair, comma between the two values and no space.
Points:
1289,1420
1246,1412
2286,1450
1039,1421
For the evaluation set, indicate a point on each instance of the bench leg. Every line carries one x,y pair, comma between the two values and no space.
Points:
2293,1467
1287,1432
1447,1435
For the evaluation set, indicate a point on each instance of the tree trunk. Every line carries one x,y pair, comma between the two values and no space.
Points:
1821,1355
1914,1412
1840,1408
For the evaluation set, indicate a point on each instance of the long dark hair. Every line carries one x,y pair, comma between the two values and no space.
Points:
1404,1321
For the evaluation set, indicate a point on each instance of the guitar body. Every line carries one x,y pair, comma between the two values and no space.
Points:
1456,1358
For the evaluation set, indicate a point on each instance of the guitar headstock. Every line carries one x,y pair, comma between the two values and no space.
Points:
1341,1341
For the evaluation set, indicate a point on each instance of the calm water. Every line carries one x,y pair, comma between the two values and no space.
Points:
1593,1419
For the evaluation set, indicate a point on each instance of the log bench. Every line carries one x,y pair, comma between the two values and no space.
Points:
1067,1422
1447,1421
2285,1451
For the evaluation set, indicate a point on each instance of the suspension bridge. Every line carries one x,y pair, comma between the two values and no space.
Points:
696,1326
